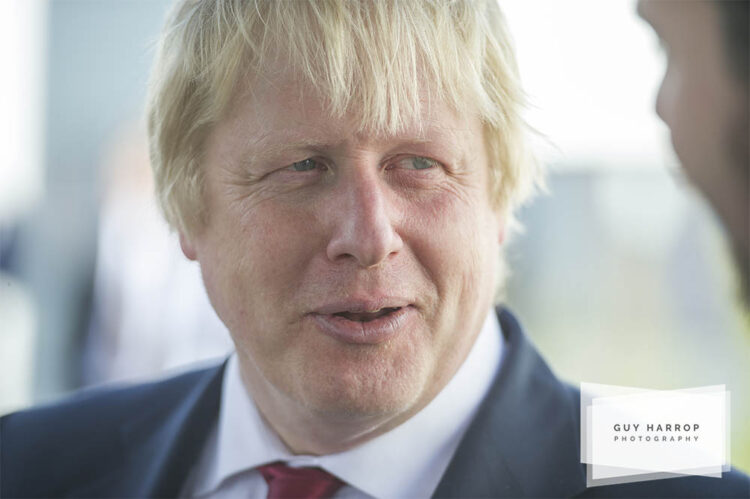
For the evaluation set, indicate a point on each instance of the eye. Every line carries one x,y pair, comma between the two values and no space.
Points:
306,165
423,163
417,163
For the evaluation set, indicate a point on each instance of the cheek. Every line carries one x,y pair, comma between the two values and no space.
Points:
276,241
459,250
457,241
693,105
249,263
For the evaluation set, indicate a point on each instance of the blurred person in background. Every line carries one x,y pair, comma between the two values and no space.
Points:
150,311
705,100
345,174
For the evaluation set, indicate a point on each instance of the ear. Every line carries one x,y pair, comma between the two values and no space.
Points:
188,247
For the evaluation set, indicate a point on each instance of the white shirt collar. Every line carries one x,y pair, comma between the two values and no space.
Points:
379,467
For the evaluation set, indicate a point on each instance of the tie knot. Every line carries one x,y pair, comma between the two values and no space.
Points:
285,482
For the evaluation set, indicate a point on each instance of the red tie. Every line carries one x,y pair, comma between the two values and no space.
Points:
285,482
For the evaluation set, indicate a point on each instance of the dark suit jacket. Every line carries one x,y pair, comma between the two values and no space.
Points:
141,441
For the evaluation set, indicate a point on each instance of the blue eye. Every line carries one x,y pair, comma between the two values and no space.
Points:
420,163
305,165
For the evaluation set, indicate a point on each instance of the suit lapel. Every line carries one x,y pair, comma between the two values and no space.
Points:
524,439
161,443
170,449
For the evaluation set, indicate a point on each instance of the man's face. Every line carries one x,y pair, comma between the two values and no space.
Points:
353,270
704,105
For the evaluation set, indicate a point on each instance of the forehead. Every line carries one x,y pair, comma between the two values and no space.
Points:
661,15
671,18
278,108
645,10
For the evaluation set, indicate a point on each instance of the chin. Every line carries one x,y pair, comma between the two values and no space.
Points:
375,388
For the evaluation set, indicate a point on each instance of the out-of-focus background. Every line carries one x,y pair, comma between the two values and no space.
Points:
622,275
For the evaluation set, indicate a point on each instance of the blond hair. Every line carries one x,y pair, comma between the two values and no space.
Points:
371,57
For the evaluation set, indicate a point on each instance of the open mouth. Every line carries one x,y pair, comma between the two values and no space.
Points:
359,322
367,316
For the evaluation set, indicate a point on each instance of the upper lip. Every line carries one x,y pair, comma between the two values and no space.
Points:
361,305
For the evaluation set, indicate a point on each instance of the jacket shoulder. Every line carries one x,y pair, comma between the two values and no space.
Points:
45,448
102,406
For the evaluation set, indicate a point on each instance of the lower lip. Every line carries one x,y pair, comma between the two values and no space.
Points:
365,333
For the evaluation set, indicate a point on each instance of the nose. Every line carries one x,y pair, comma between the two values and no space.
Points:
363,225
659,104
666,95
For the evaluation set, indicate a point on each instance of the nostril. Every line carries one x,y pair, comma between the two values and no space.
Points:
368,247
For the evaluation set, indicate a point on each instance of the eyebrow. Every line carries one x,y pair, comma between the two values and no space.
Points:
258,150
272,143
